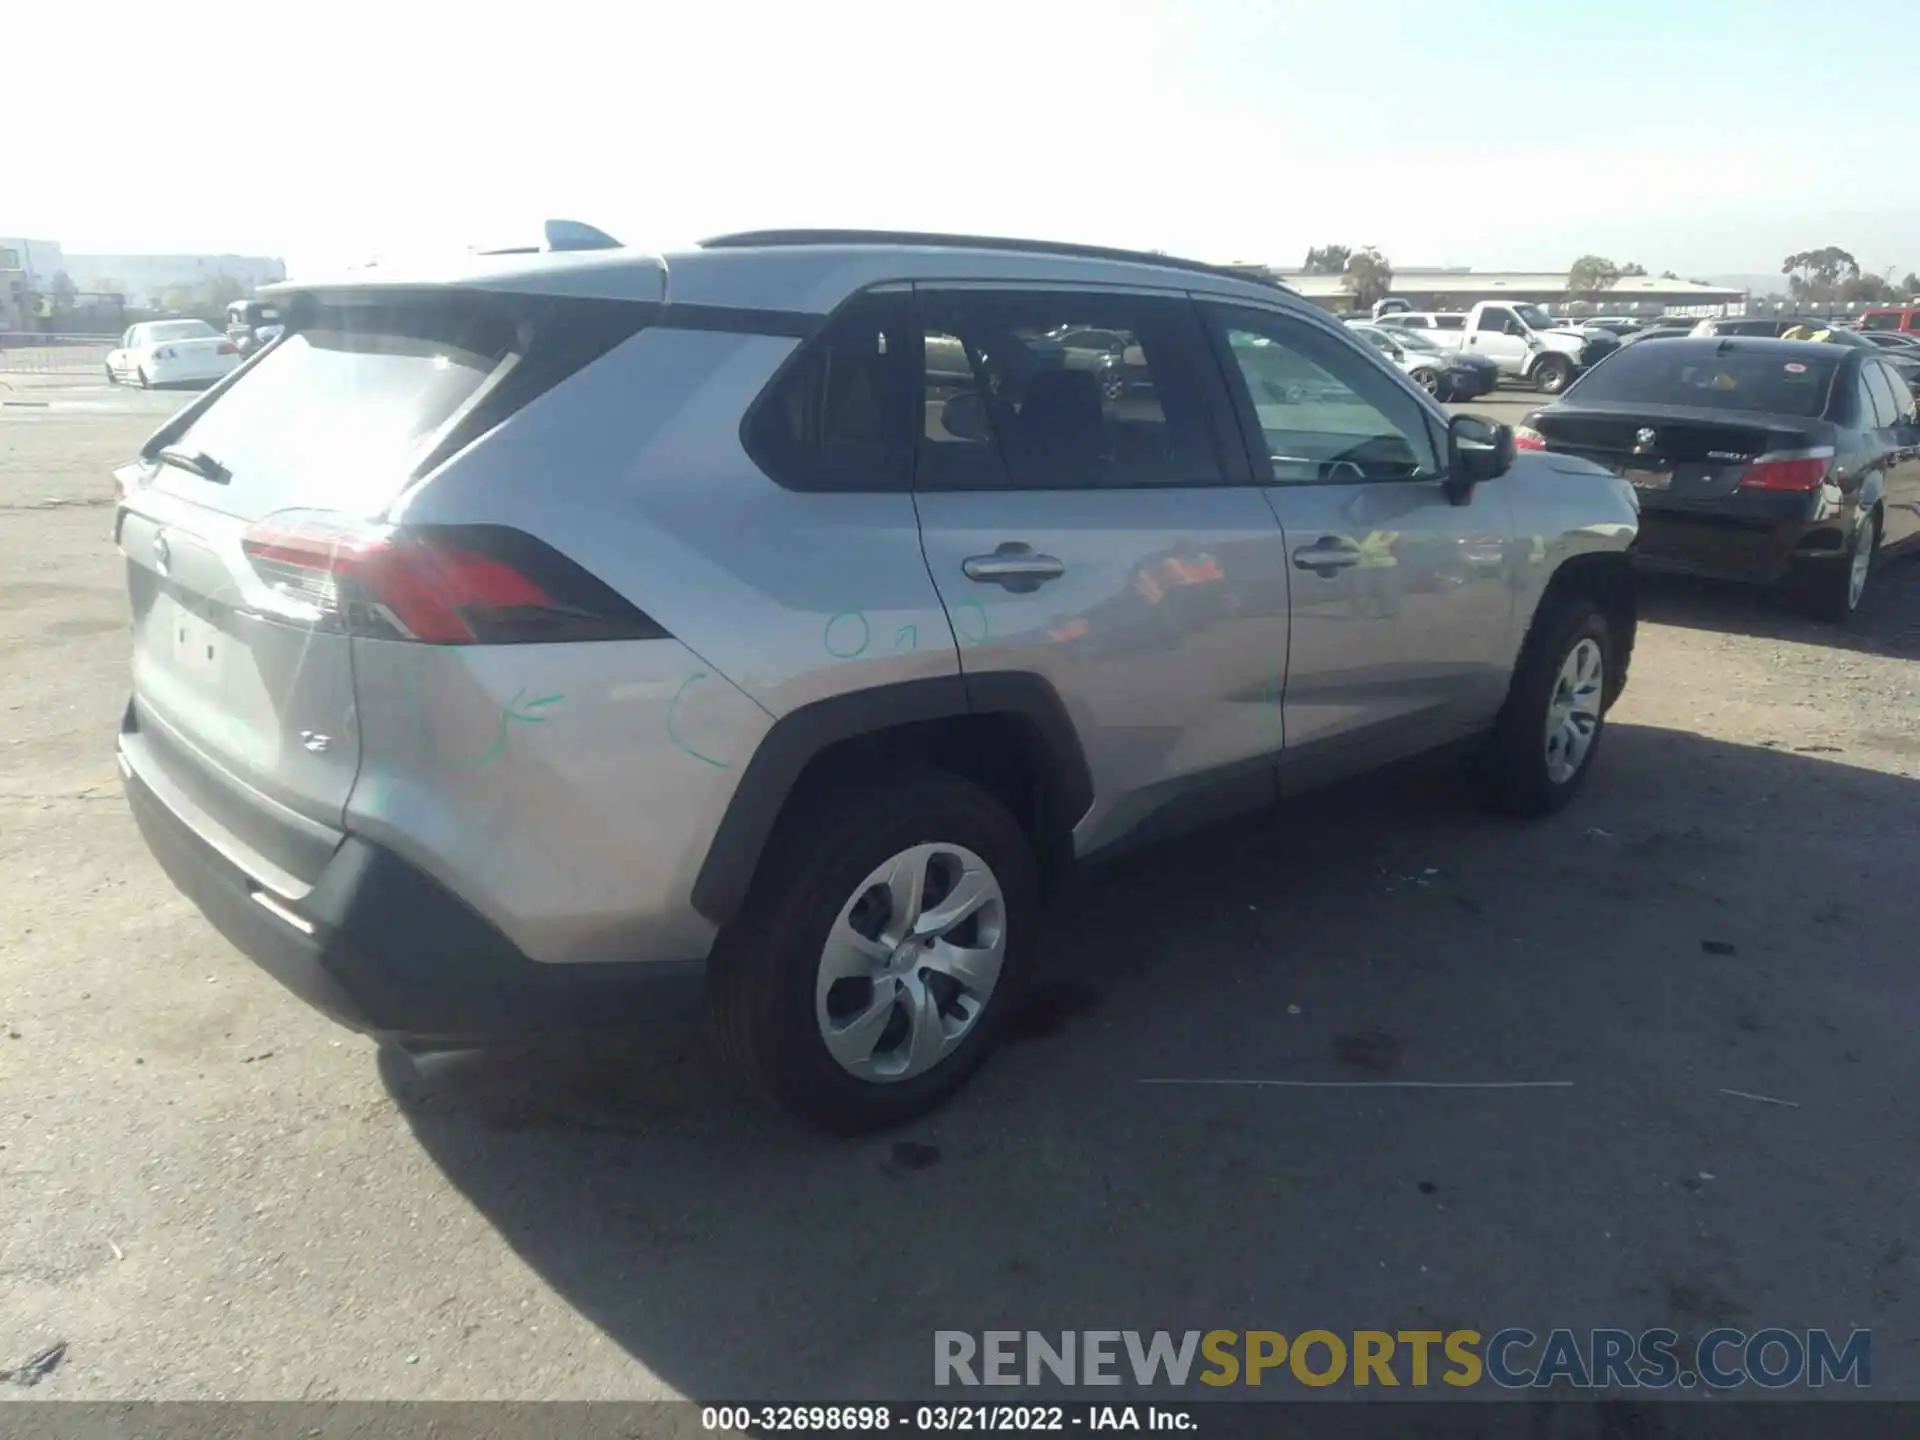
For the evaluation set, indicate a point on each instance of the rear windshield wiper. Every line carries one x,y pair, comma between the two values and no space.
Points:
197,462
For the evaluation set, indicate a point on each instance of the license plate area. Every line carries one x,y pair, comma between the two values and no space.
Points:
1646,477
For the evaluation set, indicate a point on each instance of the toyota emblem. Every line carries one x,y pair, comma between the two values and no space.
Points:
162,552
1644,439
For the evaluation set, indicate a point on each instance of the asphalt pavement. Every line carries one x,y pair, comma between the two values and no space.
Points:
1682,1013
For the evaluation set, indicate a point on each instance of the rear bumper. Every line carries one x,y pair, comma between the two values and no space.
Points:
1763,541
190,372
385,949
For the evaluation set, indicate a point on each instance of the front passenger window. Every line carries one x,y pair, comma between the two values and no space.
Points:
1326,414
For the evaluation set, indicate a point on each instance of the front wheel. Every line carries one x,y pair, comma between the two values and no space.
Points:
145,383
1553,374
112,377
1549,730
1428,380
879,950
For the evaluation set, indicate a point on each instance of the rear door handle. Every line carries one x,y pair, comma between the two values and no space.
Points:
1330,552
1015,566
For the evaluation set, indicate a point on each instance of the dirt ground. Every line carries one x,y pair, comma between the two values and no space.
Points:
208,1191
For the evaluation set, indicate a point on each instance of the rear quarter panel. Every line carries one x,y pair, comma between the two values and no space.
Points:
579,832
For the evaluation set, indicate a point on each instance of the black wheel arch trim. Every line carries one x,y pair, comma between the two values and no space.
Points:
798,737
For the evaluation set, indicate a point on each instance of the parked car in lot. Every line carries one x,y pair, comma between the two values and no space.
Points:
1768,461
252,324
1620,325
1656,332
1769,327
1896,340
1526,342
819,653
1112,356
1903,319
171,352
1447,375
1800,328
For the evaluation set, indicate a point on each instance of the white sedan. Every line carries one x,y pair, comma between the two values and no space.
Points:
171,352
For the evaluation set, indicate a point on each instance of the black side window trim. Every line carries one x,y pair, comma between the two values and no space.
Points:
819,330
1227,449
1215,316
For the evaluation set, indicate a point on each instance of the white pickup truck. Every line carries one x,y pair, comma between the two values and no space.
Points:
1523,340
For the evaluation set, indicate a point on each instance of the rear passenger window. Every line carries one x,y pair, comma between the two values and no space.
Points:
1449,322
1043,390
840,416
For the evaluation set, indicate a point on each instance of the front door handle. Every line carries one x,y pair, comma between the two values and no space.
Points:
1014,566
1329,552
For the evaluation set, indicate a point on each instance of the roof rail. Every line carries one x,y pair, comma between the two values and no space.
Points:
756,238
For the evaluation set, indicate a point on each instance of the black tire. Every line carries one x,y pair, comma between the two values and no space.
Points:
1828,589
1553,374
1511,768
145,383
112,379
762,973
1428,379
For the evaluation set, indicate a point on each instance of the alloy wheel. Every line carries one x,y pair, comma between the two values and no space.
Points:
1859,564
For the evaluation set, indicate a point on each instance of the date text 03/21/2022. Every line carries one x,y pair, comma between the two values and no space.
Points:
879,1419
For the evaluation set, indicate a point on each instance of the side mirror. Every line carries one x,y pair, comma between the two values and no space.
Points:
1477,449
964,416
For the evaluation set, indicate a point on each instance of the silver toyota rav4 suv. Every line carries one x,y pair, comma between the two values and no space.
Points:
510,634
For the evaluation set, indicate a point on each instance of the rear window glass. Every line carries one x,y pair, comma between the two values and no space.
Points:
1762,381
178,330
1885,320
335,416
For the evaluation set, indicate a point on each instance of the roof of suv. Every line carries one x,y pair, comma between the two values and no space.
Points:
809,271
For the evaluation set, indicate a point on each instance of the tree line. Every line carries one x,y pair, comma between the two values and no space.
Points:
1829,274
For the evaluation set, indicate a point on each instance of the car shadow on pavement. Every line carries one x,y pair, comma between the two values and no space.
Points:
1888,622
1700,953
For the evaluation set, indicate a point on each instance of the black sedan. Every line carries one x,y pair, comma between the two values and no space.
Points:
1768,461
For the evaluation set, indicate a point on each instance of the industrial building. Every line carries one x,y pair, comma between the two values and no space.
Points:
30,268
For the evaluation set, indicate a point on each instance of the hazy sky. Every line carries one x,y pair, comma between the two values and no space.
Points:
1711,136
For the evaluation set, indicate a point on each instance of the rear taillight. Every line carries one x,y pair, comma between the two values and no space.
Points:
1525,437
441,585
1800,470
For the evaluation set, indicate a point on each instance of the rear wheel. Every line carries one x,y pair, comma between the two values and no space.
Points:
886,938
1427,379
1552,374
1834,591
1549,730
